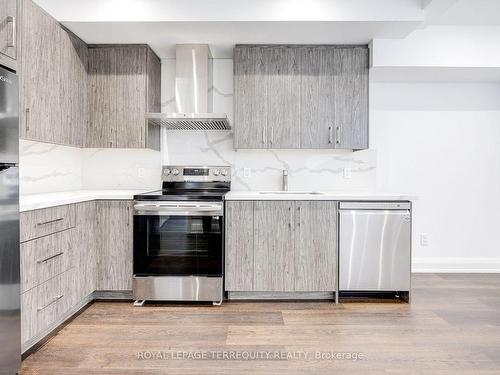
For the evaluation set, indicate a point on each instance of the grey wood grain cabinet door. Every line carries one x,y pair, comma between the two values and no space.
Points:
86,261
351,98
153,99
73,71
8,28
274,246
131,64
250,98
239,249
114,253
315,246
102,97
317,93
40,78
283,115
124,83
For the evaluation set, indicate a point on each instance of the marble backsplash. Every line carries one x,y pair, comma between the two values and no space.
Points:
121,169
49,168
308,169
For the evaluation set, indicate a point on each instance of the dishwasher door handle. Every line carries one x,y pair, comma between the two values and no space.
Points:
375,205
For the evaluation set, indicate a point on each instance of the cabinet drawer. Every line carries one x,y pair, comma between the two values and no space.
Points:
39,223
45,304
46,257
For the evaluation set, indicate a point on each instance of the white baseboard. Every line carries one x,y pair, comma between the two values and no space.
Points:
456,265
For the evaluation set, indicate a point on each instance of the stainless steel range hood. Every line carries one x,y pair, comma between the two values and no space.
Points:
193,93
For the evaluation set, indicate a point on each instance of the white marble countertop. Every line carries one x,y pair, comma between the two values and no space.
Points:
319,196
36,201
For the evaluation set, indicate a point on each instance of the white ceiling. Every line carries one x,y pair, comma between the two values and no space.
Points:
222,36
223,23
232,10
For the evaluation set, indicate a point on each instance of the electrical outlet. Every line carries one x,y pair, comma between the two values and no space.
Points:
140,172
424,239
247,172
347,172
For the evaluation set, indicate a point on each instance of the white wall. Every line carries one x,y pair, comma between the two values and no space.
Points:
439,53
441,46
441,141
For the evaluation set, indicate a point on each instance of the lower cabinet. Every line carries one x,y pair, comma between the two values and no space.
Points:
46,257
67,253
274,256
115,236
86,254
315,246
239,257
281,246
45,305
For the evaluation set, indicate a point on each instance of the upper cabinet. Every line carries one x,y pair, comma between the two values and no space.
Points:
317,97
79,96
73,73
283,116
250,99
8,33
53,80
301,97
351,98
123,86
40,77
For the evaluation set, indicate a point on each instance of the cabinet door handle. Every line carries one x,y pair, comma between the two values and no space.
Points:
128,216
337,135
50,222
50,257
330,137
55,299
291,218
298,223
272,135
28,119
264,135
11,36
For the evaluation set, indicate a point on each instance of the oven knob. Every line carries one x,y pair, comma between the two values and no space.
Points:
224,172
216,172
175,171
166,171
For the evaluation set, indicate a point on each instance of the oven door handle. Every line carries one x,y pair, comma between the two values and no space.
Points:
179,209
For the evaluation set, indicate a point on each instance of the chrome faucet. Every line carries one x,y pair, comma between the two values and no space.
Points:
285,180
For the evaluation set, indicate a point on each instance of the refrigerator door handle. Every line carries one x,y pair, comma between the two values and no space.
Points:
4,167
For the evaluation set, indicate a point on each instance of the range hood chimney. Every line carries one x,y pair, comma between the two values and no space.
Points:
193,92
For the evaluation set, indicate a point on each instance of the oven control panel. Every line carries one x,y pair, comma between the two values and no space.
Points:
173,173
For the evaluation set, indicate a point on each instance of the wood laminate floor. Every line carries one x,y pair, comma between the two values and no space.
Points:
451,327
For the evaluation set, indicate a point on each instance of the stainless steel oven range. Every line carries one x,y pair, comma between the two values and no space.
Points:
179,236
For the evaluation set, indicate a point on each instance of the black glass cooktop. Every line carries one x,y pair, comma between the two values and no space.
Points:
188,191
161,195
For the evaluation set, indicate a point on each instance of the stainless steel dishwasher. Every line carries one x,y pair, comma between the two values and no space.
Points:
375,247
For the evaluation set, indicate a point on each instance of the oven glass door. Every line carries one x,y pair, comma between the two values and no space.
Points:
178,244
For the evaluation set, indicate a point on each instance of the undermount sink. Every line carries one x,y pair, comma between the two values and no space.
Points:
291,192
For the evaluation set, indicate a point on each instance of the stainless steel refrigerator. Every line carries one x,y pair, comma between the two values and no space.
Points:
10,304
